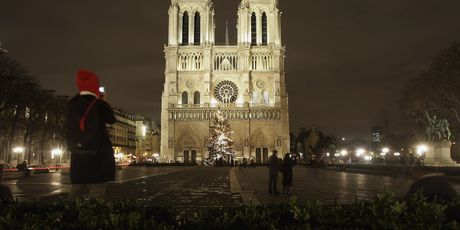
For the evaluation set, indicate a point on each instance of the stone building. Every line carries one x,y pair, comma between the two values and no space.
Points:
123,133
245,80
147,138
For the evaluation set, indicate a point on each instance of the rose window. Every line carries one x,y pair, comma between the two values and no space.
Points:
226,92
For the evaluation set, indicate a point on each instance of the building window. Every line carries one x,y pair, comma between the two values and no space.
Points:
197,35
264,29
185,28
185,98
253,29
196,98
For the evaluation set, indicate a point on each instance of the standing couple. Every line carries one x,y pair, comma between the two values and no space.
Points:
285,166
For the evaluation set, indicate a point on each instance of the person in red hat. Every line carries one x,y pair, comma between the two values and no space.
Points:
92,160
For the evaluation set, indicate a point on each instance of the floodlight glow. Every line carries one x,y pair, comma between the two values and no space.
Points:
397,154
385,150
422,149
343,152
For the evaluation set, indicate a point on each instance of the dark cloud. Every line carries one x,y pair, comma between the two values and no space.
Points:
346,60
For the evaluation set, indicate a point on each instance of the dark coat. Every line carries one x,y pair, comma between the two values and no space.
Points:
98,167
288,163
273,165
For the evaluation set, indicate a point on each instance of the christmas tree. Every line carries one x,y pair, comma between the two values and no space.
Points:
220,142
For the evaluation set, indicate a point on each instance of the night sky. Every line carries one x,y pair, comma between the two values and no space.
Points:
346,60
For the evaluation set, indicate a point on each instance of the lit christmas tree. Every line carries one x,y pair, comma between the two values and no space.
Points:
220,142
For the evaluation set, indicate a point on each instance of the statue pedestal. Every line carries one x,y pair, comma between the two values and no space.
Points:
438,155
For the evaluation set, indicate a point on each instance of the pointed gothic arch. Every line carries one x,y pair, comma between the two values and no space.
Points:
253,29
196,98
197,27
264,29
185,98
185,28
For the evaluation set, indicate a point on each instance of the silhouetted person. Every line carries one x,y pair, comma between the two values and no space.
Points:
5,192
288,163
434,186
273,169
92,160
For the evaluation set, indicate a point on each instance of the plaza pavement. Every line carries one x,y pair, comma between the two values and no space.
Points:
318,184
207,187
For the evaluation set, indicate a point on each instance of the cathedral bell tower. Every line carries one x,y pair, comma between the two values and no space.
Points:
191,22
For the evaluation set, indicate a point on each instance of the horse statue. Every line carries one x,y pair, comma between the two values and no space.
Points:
437,129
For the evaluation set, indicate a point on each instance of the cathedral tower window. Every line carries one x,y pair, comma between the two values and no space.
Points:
197,34
185,21
185,98
196,98
253,29
264,29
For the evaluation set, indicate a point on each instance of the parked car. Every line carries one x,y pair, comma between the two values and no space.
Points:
38,169
9,168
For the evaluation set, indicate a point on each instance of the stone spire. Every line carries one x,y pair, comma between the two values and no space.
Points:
227,40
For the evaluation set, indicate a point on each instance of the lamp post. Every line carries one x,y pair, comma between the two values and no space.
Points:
18,150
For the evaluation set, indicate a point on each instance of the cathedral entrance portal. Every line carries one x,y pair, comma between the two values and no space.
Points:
261,155
190,156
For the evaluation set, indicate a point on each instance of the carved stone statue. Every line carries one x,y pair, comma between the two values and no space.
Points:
437,129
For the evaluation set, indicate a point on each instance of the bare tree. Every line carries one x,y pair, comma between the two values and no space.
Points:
437,91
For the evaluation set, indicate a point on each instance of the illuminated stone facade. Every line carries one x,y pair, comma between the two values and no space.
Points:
246,81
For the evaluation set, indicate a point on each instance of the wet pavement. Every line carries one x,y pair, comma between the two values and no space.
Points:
205,187
197,187
324,185
56,183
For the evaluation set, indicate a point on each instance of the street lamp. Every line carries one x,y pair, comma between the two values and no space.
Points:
18,150
360,152
343,152
56,152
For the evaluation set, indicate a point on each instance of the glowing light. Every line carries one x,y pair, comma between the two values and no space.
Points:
397,154
343,152
422,149
18,150
360,152
385,150
367,158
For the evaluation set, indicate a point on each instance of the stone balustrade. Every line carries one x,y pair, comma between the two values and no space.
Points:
232,114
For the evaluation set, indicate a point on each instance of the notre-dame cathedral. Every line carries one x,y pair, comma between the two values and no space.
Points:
246,81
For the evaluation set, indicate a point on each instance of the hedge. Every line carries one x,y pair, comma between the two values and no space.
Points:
386,212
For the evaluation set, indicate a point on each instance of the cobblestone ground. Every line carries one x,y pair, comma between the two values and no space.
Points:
324,185
195,187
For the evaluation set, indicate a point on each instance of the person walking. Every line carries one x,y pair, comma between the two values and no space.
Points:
288,163
92,160
273,169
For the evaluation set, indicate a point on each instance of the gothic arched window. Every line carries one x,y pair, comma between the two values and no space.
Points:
197,35
253,29
264,29
185,98
196,98
185,31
